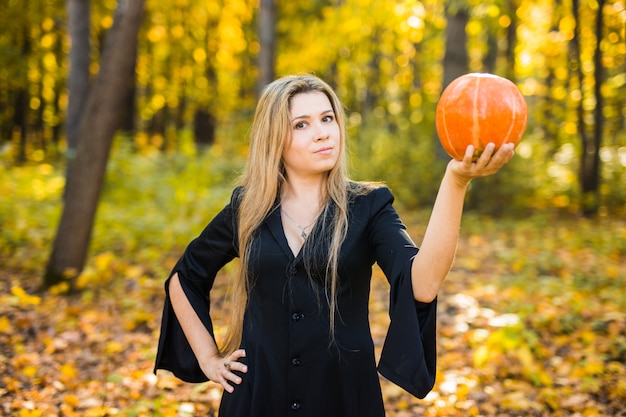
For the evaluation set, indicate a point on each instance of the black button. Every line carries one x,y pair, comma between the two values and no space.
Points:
296,406
297,316
296,362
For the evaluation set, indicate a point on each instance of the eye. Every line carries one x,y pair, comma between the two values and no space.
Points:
328,118
300,125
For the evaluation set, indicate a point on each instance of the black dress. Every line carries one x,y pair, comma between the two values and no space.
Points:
292,370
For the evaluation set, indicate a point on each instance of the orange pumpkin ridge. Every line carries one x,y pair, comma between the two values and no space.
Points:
476,119
445,137
479,108
513,117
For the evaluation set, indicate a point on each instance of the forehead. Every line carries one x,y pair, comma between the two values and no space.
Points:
308,103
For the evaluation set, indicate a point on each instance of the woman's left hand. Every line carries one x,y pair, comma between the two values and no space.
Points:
489,162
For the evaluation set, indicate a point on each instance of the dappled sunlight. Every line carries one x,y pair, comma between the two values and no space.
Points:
518,337
532,318
541,336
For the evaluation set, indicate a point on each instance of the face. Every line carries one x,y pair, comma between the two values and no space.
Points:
314,145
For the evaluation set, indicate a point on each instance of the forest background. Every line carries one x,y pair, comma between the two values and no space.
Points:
142,111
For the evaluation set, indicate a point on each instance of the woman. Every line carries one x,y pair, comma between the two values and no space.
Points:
299,340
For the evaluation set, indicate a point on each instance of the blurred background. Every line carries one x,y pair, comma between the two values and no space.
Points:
199,66
140,111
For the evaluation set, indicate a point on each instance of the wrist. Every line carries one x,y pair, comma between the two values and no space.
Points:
461,181
207,355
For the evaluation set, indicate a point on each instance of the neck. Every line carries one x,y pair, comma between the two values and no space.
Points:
306,193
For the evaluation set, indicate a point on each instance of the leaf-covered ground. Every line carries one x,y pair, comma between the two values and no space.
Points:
532,318
531,323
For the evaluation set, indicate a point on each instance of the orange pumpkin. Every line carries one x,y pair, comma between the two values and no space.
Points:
479,108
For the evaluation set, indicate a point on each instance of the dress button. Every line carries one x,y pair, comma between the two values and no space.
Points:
296,362
297,316
296,406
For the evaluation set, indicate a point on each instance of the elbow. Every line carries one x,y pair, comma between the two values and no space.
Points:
425,296
426,291
426,280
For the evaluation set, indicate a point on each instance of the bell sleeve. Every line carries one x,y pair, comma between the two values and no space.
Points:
408,357
197,269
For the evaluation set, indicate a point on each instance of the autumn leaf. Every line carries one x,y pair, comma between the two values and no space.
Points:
531,318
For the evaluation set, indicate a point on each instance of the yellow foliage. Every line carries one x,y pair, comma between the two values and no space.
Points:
5,325
23,298
520,401
199,55
59,289
114,347
100,411
68,372
71,400
29,371
106,22
30,413
104,261
137,318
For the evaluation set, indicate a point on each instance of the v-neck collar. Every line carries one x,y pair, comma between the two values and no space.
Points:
275,224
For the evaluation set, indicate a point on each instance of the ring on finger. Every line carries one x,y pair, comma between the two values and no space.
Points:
227,365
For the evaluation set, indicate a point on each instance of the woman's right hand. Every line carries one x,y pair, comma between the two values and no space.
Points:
220,369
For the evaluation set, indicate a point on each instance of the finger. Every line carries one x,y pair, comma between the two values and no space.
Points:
487,154
232,377
229,388
468,158
239,353
504,154
233,361
469,153
231,364
236,366
510,147
227,377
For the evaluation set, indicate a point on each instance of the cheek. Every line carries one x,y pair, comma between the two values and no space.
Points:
298,142
292,150
337,133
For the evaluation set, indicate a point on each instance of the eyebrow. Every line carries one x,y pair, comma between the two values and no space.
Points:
306,116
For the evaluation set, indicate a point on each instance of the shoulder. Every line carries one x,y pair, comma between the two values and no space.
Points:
237,194
369,193
368,200
236,197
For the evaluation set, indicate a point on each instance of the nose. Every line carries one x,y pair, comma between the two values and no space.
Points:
321,132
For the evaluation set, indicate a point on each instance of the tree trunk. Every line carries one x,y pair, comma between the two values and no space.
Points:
589,172
97,128
129,105
371,74
204,125
204,120
455,60
511,40
267,38
20,119
79,16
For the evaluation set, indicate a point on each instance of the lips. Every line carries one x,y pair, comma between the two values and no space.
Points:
325,150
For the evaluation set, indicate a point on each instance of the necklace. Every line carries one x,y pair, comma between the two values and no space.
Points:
303,233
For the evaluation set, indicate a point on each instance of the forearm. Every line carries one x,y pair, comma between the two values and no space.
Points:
199,338
434,259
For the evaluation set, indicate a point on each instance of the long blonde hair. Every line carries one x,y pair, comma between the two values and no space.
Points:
264,177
